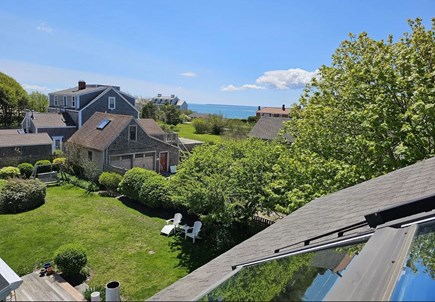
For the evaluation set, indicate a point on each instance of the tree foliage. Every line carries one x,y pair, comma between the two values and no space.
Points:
372,111
171,114
13,99
226,182
38,102
149,110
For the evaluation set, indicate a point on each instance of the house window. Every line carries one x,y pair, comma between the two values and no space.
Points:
56,103
90,155
73,102
64,101
57,143
112,102
132,132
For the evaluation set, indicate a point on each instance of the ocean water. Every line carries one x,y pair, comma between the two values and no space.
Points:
228,111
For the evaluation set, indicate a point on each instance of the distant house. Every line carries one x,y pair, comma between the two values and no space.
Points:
172,100
386,221
69,110
268,128
17,147
273,112
81,102
121,142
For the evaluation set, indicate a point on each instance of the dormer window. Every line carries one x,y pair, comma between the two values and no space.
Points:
56,103
112,103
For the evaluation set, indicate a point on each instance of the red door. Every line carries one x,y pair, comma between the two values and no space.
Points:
163,162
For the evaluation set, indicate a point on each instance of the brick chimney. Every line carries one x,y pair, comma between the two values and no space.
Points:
82,85
283,107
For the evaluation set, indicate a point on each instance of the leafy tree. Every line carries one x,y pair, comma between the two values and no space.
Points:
226,182
149,110
201,126
216,123
13,99
171,114
372,111
38,102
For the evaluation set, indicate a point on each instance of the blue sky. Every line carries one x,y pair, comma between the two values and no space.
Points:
226,52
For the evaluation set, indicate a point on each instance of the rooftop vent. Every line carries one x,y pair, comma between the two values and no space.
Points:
103,124
172,96
159,95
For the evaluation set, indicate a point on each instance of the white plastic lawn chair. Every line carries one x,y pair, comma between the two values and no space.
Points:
192,232
168,229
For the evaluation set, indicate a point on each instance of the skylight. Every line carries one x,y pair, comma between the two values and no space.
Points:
103,124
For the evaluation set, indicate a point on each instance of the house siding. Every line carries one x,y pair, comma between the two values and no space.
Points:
65,132
101,105
20,154
144,143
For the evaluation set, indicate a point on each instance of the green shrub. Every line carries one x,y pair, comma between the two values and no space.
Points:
132,182
9,172
26,169
201,126
110,180
70,259
216,123
154,191
89,186
59,161
58,153
45,166
20,195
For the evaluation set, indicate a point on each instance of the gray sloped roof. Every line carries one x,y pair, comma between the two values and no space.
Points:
331,212
8,139
268,128
52,119
76,91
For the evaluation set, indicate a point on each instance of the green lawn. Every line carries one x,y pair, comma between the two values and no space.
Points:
123,243
188,131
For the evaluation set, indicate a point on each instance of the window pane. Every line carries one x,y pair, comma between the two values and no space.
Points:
302,277
417,282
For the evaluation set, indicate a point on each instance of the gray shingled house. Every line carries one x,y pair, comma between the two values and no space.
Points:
121,142
369,242
17,147
69,110
268,128
171,100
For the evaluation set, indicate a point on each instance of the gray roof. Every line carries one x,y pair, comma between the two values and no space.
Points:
75,90
51,120
324,214
268,128
8,139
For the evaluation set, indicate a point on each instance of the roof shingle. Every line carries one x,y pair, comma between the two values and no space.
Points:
8,139
268,128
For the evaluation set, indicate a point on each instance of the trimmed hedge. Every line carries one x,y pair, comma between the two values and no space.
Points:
132,182
44,163
154,192
19,195
9,172
110,180
26,169
70,259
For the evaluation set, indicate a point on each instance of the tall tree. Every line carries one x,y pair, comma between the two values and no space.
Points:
13,99
149,110
374,108
38,102
171,114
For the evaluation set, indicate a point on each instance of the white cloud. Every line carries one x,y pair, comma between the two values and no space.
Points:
188,74
243,87
30,88
293,78
286,79
43,26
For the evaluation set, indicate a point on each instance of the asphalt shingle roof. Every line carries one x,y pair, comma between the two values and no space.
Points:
274,110
150,126
324,214
91,137
49,120
76,91
268,128
7,139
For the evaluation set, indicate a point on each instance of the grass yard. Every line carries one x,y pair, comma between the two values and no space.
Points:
122,243
188,131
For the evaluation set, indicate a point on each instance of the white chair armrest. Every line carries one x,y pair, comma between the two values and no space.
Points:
169,220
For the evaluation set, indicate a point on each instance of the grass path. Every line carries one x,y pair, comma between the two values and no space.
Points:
188,131
122,244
